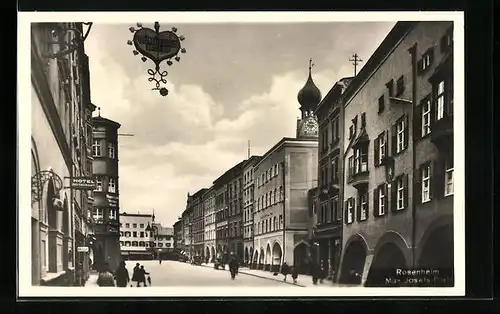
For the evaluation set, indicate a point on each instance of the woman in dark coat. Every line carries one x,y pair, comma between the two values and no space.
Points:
121,275
285,270
135,274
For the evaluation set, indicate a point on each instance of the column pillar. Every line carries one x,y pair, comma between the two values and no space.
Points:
366,269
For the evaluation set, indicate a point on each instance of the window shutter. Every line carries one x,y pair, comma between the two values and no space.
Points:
367,210
376,148
433,107
407,131
406,191
432,180
346,214
438,178
386,147
448,108
386,203
375,202
420,66
417,121
394,195
358,208
394,142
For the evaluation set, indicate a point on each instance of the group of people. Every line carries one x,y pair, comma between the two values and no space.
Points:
318,272
121,276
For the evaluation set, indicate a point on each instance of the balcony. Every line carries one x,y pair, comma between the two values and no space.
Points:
359,178
442,131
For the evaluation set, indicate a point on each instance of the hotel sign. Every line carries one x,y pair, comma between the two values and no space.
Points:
157,46
112,200
83,183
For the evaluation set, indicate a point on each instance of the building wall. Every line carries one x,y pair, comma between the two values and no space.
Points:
235,219
248,208
133,236
221,214
396,225
209,210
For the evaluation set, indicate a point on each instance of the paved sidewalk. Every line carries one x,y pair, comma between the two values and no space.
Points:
302,280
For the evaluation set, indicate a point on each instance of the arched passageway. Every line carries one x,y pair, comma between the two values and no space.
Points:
383,270
268,257
300,258
353,263
437,254
212,254
261,259
246,257
276,258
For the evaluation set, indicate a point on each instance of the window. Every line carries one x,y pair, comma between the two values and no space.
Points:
350,210
141,226
335,129
135,243
282,196
127,243
271,198
350,166
380,147
127,234
142,243
426,117
134,234
401,136
335,169
400,193
336,209
111,185
160,244
363,206
381,104
275,223
426,61
440,101
96,148
142,234
447,41
98,214
98,186
361,159
400,86
380,200
426,183
112,214
111,150
122,243
448,190
275,196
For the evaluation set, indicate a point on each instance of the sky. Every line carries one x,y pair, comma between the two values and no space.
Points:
235,83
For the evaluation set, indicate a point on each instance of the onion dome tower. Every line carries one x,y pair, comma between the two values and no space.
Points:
309,98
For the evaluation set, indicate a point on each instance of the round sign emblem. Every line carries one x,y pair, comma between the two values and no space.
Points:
156,46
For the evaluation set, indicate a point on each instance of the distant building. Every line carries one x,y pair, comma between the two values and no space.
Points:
196,223
163,241
283,178
135,241
106,194
186,230
178,240
248,206
398,143
209,212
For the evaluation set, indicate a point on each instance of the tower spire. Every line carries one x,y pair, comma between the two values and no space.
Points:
99,111
311,64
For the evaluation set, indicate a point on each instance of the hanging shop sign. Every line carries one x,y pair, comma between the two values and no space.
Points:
83,183
82,249
38,181
157,46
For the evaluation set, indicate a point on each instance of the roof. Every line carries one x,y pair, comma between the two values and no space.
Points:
101,120
136,215
339,86
397,33
229,174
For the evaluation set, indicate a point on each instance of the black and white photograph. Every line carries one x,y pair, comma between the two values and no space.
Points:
241,154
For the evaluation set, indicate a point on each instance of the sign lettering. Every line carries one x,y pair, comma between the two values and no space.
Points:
83,183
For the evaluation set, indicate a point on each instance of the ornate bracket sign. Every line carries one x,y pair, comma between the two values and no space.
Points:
60,34
158,47
38,181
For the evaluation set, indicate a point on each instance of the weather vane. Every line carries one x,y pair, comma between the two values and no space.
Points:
158,47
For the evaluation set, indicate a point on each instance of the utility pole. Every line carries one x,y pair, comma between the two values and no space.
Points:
355,60
248,154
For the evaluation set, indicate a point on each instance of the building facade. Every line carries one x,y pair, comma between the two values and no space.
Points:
221,214
106,194
248,207
135,240
398,183
178,239
327,208
209,212
186,231
283,178
59,137
235,217
195,204
162,240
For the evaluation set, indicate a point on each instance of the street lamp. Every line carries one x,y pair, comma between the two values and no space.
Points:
153,230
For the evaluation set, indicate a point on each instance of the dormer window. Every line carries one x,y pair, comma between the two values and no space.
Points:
447,41
426,61
381,104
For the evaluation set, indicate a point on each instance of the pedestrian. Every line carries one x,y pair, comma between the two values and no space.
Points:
135,274
122,276
142,276
295,274
105,278
322,271
314,272
233,266
285,270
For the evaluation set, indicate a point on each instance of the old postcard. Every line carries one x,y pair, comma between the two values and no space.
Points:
241,154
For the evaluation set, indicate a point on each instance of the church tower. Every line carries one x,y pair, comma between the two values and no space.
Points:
309,97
